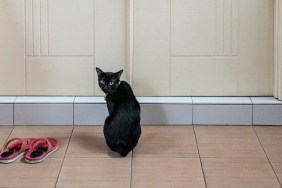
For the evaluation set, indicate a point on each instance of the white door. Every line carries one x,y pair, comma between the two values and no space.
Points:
180,47
203,47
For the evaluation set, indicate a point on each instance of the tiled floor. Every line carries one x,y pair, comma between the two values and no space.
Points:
166,156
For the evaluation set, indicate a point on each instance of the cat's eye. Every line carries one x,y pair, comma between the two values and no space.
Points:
102,82
111,83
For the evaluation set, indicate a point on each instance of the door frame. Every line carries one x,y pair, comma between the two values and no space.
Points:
278,49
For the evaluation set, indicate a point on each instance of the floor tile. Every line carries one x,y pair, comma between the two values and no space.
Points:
269,130
90,145
239,175
42,130
21,174
223,130
228,141
278,170
233,160
95,172
61,133
5,130
89,141
272,147
164,129
80,129
271,140
167,172
4,134
166,156
170,141
87,145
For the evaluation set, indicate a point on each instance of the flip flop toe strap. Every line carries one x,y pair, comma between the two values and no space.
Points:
36,144
23,146
11,149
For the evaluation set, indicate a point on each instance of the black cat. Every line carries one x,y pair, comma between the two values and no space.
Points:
122,127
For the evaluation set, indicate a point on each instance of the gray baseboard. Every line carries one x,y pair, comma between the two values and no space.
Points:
26,110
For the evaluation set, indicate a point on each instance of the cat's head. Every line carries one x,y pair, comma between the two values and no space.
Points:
108,81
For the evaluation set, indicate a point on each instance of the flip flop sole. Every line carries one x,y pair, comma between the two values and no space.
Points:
4,161
40,160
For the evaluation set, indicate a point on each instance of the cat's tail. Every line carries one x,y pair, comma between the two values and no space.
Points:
122,148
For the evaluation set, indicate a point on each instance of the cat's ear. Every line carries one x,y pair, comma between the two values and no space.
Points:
99,71
118,74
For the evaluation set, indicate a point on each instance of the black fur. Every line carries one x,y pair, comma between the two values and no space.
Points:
122,127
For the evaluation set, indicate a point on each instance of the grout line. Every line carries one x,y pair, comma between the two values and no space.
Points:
252,110
192,112
48,30
200,156
40,29
131,169
73,111
25,33
280,183
201,56
14,110
170,48
13,114
46,56
58,176
94,57
216,29
7,139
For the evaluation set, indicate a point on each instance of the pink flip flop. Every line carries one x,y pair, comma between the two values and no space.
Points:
40,149
14,149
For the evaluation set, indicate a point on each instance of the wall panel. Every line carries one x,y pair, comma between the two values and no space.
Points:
151,61
193,27
60,75
256,43
166,47
44,30
202,76
71,27
36,23
12,47
110,37
28,27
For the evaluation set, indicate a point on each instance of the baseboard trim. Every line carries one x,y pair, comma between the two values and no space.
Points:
75,110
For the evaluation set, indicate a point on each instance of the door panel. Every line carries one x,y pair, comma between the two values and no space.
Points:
177,47
217,47
151,56
255,70
110,37
201,76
